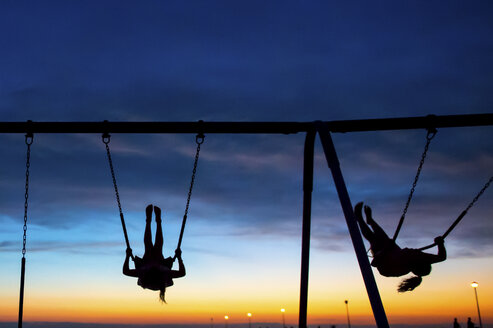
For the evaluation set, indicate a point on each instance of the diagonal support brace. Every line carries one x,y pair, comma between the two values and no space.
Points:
347,208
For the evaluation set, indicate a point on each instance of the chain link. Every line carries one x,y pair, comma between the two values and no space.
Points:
199,140
106,141
479,194
461,216
29,141
429,137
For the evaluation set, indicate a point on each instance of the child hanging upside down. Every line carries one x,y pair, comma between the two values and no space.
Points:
153,270
393,261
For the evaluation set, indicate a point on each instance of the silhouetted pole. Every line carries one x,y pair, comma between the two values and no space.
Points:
305,238
347,313
249,320
475,285
359,247
399,123
21,296
283,318
226,321
29,140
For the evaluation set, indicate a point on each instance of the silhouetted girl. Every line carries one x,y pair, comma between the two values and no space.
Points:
153,270
393,261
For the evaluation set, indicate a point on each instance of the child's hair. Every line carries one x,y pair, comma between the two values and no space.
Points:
409,284
161,294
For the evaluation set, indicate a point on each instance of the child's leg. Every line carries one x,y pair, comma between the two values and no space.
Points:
147,232
380,240
158,242
365,230
377,230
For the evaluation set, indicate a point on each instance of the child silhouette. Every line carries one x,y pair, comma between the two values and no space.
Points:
153,270
393,261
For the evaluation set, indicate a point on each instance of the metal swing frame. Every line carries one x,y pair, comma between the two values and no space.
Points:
323,129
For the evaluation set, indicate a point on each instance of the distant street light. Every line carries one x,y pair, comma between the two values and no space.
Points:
226,321
249,315
283,318
212,322
347,312
475,285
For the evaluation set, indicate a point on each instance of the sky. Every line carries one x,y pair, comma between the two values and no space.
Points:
242,61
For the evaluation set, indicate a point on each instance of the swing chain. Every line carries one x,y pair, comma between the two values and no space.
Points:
106,140
461,216
429,137
29,141
479,194
199,139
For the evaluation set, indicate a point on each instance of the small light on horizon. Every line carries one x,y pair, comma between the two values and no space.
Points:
474,284
226,317
283,310
249,314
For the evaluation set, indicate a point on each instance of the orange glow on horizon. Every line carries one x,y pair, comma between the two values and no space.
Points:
410,309
444,294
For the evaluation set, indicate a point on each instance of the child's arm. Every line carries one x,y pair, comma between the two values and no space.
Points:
181,267
126,268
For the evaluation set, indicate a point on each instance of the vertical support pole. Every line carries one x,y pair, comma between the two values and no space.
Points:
359,247
307,211
21,296
477,305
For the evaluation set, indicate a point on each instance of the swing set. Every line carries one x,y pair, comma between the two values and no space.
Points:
429,137
324,129
199,140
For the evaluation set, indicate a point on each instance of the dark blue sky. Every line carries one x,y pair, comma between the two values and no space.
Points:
244,61
252,60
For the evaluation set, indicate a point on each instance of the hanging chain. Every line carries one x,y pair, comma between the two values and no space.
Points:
106,140
461,216
29,141
431,134
479,194
199,139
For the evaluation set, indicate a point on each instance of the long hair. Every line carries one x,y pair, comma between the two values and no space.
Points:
161,294
409,284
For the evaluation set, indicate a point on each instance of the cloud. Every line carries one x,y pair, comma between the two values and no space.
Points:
305,67
72,247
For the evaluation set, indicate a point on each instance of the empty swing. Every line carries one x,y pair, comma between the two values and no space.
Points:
153,270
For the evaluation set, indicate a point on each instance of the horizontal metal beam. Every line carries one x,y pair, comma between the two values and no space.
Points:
403,123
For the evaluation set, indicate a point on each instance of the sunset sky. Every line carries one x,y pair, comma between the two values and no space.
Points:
242,61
